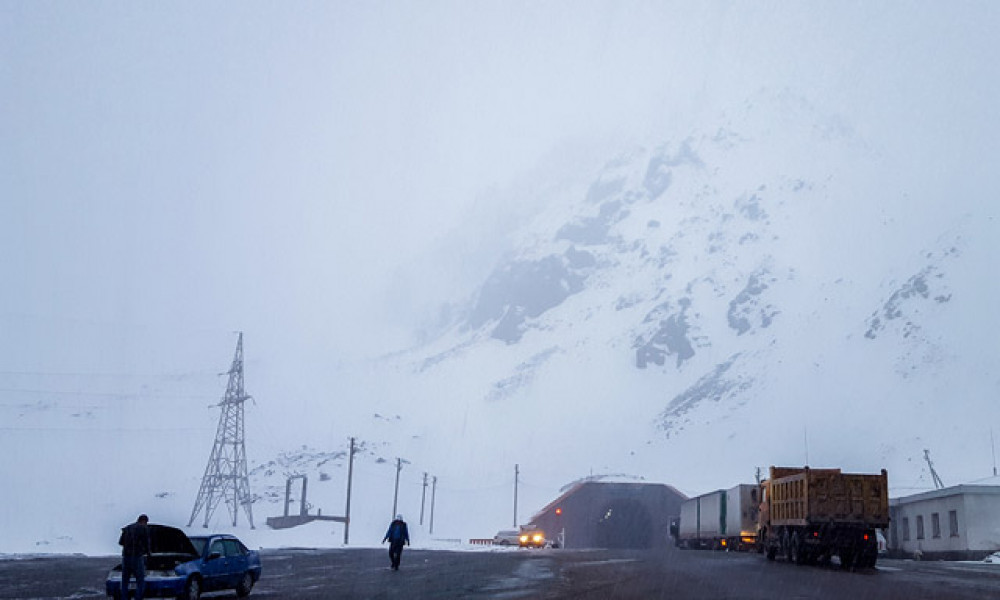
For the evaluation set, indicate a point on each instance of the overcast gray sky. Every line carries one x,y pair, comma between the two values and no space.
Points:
172,168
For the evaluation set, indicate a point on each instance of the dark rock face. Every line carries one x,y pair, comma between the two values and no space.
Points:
751,209
658,177
916,288
580,259
520,290
602,190
658,172
669,338
523,375
717,386
586,231
747,309
593,231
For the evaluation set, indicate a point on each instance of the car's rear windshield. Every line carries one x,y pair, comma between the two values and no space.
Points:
199,544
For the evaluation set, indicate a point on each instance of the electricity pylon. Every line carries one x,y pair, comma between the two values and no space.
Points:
226,472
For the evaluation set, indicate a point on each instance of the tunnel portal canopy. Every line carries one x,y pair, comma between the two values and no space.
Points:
602,514
624,524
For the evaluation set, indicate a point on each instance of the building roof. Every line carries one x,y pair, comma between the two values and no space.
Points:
575,487
955,490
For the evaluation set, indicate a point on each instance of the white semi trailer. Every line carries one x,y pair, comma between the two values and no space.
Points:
720,520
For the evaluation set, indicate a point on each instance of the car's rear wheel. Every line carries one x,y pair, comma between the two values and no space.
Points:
246,584
192,590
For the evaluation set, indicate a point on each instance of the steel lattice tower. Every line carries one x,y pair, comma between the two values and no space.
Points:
226,472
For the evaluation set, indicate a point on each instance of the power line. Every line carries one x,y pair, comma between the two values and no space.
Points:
104,429
115,395
113,374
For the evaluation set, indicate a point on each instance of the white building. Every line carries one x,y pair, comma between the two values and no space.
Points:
961,522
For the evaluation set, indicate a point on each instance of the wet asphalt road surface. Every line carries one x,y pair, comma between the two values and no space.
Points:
595,574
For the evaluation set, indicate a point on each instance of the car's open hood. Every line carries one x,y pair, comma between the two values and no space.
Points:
169,540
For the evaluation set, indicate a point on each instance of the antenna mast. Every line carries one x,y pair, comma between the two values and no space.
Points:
938,484
226,472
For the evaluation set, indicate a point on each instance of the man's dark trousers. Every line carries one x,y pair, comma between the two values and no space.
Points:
134,565
395,553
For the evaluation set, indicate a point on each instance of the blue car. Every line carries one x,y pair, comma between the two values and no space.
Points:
184,567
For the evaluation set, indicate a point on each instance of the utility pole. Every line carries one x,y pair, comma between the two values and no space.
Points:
395,495
994,448
226,473
423,495
433,493
516,472
805,439
347,511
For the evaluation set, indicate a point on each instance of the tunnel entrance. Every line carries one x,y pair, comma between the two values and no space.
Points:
624,523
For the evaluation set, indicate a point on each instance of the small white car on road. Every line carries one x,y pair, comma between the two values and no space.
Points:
507,537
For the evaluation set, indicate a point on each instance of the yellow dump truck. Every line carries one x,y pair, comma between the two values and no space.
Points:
809,515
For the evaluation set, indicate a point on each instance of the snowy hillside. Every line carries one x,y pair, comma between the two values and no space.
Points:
773,290
770,288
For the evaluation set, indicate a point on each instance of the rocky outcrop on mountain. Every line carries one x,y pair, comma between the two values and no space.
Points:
720,386
926,285
669,336
523,289
707,271
748,309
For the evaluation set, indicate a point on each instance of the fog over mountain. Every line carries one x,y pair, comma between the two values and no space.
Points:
670,242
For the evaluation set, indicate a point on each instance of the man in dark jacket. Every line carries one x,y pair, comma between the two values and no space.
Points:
397,535
135,544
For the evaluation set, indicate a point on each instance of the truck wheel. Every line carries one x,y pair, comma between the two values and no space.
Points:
867,560
846,559
795,551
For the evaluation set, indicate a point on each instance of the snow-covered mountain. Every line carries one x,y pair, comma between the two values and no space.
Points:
775,289
769,287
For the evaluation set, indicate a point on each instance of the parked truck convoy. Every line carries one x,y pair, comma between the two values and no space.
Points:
723,519
808,515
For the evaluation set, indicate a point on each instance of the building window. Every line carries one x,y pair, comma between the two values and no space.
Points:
935,525
906,528
920,527
953,522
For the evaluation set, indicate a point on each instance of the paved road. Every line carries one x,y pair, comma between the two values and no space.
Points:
599,574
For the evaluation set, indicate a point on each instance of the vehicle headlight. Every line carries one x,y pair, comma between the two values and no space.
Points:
538,538
524,538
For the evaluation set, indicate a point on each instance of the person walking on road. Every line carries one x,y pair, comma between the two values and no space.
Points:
397,535
135,544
